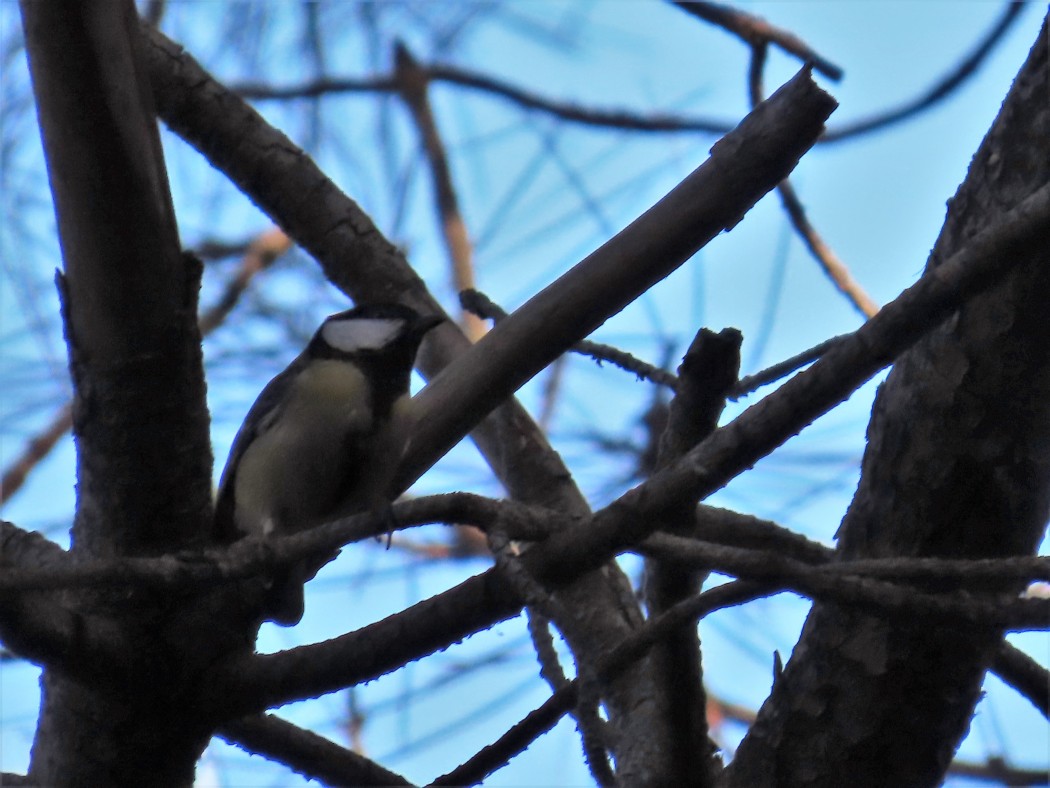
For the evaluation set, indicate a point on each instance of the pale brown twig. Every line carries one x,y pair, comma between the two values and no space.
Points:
755,30
261,252
833,266
412,83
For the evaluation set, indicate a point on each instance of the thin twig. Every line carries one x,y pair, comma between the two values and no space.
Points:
543,718
413,87
636,121
940,90
543,644
595,750
821,251
828,582
832,264
750,383
480,304
261,253
539,601
755,30
552,387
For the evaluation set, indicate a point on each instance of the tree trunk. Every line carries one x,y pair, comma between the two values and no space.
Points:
139,414
957,465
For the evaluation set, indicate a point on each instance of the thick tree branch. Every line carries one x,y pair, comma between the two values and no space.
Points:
957,465
713,198
129,301
707,372
486,599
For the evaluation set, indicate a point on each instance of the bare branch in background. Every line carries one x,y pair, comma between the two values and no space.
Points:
755,31
940,90
627,120
818,247
412,83
261,252
37,448
260,255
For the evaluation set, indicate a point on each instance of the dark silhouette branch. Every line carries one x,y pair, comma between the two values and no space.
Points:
940,90
1025,675
312,756
480,304
486,599
542,719
750,383
707,372
713,198
961,424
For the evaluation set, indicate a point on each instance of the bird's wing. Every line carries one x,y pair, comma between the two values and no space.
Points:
261,416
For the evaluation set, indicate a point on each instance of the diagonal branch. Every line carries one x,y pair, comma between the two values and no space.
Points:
957,465
413,87
312,756
257,683
743,166
1025,675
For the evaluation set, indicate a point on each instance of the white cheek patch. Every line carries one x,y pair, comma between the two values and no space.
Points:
349,336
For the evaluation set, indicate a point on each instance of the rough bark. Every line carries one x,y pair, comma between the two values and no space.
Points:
476,379
957,465
139,415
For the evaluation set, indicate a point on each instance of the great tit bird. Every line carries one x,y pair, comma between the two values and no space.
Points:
324,438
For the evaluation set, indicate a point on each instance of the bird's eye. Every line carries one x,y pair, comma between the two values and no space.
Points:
349,336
